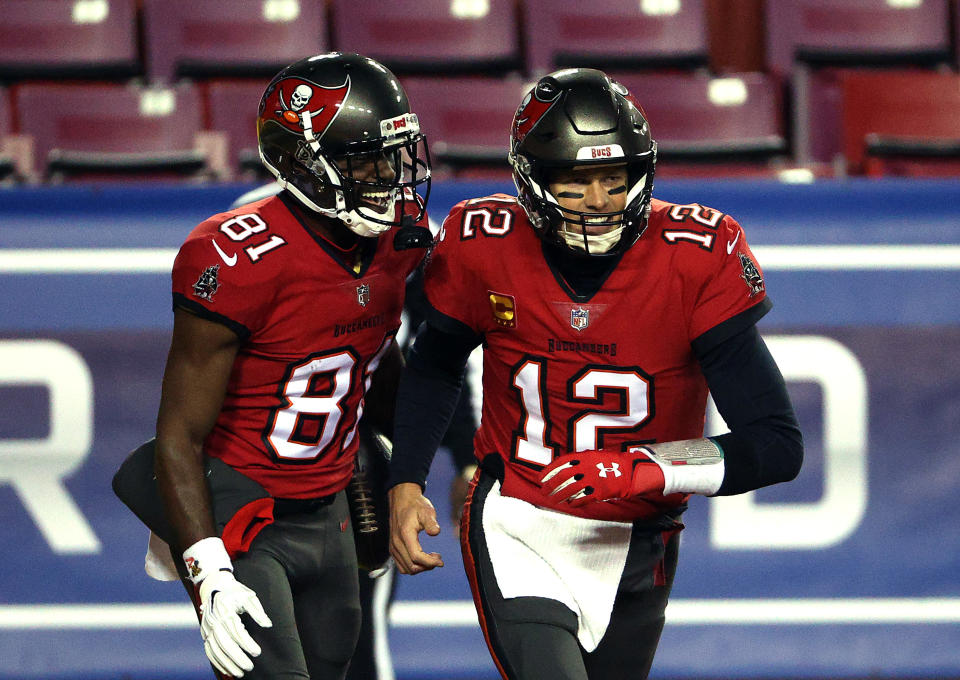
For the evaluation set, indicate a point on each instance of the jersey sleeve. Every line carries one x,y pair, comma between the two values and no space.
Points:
205,283
731,294
449,282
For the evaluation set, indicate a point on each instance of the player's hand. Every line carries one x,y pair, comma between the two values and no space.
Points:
225,640
222,599
410,513
591,476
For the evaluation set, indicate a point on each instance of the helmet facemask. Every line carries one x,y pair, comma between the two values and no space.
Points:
368,191
572,228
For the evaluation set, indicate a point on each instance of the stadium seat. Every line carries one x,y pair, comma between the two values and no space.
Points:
856,33
91,131
431,36
232,107
212,38
807,39
613,34
467,121
902,122
68,39
731,123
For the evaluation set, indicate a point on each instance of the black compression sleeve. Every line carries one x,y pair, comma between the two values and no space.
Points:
459,437
426,399
764,445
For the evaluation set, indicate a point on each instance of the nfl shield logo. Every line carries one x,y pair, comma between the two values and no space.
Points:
363,294
579,318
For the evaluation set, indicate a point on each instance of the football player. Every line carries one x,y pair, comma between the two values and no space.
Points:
285,317
605,315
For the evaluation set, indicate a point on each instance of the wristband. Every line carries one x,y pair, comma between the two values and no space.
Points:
689,466
205,557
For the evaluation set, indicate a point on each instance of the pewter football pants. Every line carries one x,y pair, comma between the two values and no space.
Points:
303,567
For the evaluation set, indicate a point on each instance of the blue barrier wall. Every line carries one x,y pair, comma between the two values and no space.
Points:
851,571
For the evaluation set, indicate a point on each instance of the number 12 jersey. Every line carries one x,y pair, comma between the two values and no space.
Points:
564,372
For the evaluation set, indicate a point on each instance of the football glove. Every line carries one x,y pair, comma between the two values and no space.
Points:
226,642
590,476
687,466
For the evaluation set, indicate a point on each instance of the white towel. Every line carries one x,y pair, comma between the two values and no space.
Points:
542,553
159,562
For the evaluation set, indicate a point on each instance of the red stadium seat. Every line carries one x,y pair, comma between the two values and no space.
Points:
902,122
856,33
68,38
467,120
232,106
612,34
731,124
806,39
112,130
212,38
431,36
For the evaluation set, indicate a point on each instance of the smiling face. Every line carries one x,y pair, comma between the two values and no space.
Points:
373,174
587,190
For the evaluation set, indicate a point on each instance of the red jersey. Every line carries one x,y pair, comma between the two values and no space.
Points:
312,330
566,373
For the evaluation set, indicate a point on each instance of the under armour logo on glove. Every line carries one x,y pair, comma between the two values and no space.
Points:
614,468
591,476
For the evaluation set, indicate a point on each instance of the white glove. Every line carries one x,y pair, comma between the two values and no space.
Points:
226,642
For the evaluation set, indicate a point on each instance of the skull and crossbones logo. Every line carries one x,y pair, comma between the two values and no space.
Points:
299,99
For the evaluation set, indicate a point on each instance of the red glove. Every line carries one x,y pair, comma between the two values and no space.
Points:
591,476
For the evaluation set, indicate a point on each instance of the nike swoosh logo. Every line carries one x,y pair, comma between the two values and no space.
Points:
229,259
731,244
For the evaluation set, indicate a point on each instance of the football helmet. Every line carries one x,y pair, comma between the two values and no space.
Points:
337,132
573,118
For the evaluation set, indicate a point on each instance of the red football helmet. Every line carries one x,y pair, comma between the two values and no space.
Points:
325,121
573,118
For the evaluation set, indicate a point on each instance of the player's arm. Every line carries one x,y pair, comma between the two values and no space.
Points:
426,400
198,367
380,400
764,445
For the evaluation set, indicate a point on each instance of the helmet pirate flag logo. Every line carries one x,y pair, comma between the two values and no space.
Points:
294,99
532,108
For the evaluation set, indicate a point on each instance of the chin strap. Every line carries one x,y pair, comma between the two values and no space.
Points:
410,236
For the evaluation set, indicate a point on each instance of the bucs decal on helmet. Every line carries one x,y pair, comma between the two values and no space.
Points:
292,99
532,108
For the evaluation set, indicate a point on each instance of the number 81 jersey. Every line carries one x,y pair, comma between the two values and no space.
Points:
564,372
312,332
